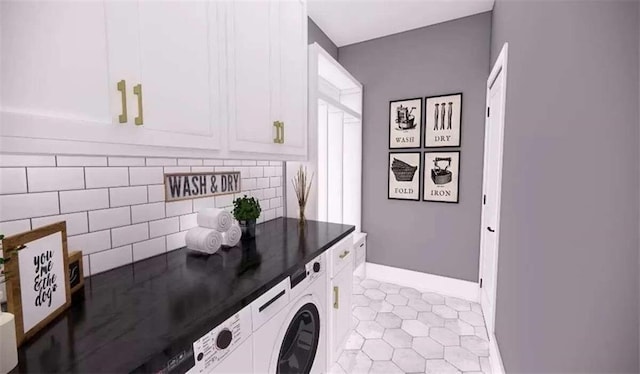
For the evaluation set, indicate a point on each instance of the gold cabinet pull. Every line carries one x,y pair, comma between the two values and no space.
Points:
344,254
336,297
137,90
122,87
276,124
282,133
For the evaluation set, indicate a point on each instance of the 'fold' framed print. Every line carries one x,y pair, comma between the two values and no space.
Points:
443,120
404,176
441,176
405,123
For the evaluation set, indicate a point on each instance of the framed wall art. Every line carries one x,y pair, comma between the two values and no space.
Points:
441,176
38,287
405,123
443,118
404,176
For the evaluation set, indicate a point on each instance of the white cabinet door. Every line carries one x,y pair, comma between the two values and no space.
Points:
54,69
342,288
267,76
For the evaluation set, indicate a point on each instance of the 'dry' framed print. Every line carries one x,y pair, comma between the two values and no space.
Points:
443,119
441,176
38,287
405,123
404,176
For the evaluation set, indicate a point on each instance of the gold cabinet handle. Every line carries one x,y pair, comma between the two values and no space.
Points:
336,297
344,254
137,90
276,124
282,134
122,87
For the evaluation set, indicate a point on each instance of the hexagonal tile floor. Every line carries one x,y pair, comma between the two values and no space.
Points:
401,330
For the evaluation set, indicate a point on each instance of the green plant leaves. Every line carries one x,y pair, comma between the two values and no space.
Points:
246,208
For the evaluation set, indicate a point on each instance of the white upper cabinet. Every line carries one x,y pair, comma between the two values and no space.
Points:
267,80
193,78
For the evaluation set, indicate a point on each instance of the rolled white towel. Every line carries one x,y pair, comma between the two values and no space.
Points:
232,236
203,240
214,218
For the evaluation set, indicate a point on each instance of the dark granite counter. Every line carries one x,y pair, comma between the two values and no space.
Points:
144,317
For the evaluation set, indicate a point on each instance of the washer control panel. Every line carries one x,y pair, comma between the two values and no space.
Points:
214,346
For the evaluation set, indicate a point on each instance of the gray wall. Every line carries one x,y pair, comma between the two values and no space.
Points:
316,35
436,238
568,266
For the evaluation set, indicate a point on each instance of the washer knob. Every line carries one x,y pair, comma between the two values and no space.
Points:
316,267
224,339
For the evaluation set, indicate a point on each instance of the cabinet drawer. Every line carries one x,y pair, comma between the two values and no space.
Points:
269,304
341,255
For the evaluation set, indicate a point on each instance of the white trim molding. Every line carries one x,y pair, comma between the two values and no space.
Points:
424,282
495,359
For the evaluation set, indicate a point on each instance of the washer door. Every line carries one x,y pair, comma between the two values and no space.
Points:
300,342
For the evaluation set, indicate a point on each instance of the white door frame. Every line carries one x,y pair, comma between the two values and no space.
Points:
499,67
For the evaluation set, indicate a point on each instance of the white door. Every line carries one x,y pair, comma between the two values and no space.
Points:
342,288
54,69
492,181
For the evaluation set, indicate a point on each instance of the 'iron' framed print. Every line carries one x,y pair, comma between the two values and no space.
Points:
441,176
443,120
404,176
405,123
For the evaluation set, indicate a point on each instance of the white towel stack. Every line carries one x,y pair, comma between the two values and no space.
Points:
216,228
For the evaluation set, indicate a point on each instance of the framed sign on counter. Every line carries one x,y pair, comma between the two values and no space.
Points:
441,176
443,119
404,176
405,123
38,287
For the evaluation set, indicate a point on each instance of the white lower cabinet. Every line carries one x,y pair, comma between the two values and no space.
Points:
341,294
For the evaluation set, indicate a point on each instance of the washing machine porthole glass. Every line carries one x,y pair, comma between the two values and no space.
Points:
300,342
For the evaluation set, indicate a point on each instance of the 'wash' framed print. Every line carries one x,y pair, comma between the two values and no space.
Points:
441,176
404,176
443,119
38,287
405,123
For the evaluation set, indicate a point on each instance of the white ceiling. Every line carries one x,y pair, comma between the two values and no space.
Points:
352,21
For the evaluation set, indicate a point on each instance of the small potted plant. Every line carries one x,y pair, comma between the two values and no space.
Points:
247,210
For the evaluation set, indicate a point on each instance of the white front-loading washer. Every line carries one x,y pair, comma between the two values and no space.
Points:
292,337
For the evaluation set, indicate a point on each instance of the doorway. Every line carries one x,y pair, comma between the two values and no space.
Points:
492,185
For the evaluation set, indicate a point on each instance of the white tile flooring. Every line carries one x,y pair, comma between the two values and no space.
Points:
401,330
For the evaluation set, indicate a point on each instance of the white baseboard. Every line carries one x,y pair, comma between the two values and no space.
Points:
494,356
424,282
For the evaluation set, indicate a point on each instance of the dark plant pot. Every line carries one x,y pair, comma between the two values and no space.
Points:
248,228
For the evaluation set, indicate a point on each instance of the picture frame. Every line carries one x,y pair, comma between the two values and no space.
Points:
443,121
403,175
76,271
441,176
405,123
38,287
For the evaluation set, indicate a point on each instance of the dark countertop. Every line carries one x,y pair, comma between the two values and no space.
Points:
139,317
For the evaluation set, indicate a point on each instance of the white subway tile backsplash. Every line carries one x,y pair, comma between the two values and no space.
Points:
222,169
175,241
270,171
275,181
176,169
275,163
147,212
275,203
145,175
111,259
205,202
81,161
177,208
55,179
248,184
13,207
263,163
224,200
258,194
122,196
76,201
13,180
126,161
269,214
189,162
264,204
279,212
188,221
248,163
149,248
164,227
202,169
279,191
106,177
256,172
232,162
263,183
77,223
130,234
14,227
90,243
269,193
109,218
213,162
161,161
9,160
156,193
86,268
279,171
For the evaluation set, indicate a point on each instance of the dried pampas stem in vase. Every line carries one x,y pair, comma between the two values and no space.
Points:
302,187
